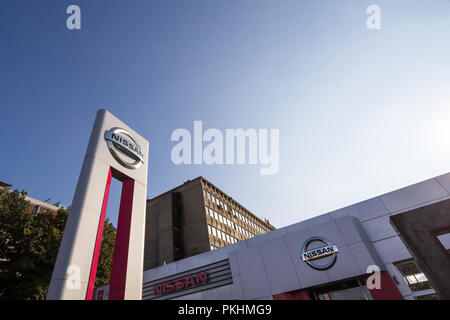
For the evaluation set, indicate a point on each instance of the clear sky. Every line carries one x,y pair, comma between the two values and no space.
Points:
360,112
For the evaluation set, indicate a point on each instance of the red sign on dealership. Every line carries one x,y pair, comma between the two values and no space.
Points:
181,283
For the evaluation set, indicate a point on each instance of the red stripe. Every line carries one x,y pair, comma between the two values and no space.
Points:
98,241
293,295
120,258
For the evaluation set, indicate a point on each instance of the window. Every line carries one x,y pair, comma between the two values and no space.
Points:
349,290
209,229
36,209
414,278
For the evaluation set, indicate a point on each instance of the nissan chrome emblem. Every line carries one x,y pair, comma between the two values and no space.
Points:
328,249
120,143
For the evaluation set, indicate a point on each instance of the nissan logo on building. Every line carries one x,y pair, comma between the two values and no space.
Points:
124,148
316,248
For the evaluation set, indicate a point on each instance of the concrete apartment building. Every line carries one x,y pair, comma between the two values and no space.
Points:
193,218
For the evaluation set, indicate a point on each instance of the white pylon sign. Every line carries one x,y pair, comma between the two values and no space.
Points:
114,151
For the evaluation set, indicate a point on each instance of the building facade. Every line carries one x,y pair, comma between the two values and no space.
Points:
36,206
402,238
193,218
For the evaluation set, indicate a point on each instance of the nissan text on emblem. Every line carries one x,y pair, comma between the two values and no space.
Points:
316,248
124,148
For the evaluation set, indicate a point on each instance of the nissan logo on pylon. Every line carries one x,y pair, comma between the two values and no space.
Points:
120,144
328,249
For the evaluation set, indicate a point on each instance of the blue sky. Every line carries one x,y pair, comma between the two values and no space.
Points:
360,112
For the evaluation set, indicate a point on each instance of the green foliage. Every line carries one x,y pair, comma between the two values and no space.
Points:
28,247
29,244
106,254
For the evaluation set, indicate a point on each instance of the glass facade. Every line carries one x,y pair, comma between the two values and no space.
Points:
416,280
413,276
349,290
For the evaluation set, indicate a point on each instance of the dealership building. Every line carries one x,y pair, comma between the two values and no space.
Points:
394,246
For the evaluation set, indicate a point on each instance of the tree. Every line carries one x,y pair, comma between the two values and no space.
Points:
106,254
29,244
